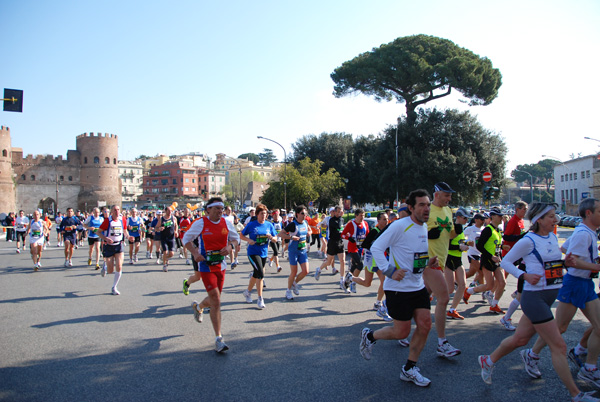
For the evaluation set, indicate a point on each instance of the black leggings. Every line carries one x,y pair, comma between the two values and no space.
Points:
316,237
258,264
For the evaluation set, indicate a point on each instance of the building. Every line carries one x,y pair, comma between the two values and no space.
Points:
89,176
170,181
576,180
132,178
211,183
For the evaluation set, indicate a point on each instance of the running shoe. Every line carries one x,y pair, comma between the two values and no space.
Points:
585,397
264,283
575,358
404,342
270,262
353,287
70,263
466,296
261,303
486,369
187,261
348,279
186,287
447,350
165,268
131,261
318,273
97,267
454,315
103,271
289,295
180,255
89,261
366,346
247,296
115,291
531,364
415,376
197,311
148,255
18,251
39,264
135,258
35,267
220,346
592,376
382,313
278,269
333,271
496,309
507,324
376,305
237,262
66,263
158,261
296,288
489,297
233,265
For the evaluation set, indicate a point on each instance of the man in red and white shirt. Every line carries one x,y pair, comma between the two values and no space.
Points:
113,231
210,239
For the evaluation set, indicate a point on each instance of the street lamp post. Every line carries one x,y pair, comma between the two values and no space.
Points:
531,182
396,178
260,137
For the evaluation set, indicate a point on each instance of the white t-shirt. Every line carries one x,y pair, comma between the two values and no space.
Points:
584,244
547,249
21,223
407,242
472,233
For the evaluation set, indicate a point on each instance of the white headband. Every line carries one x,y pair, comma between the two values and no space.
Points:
544,212
216,204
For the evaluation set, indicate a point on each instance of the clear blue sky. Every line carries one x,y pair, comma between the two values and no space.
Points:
173,77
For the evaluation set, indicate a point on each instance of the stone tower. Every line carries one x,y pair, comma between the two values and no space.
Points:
7,184
99,175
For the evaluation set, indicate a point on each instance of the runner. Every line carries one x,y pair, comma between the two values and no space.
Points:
258,233
93,222
184,225
275,243
355,232
405,292
57,221
315,232
472,232
297,232
489,245
113,231
371,267
149,234
68,228
167,227
440,231
135,226
48,225
233,257
543,279
335,246
577,291
21,223
455,272
156,243
217,237
37,231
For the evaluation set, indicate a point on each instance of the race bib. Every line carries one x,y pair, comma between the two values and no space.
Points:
214,257
36,233
116,231
554,272
302,244
135,228
167,224
261,239
420,262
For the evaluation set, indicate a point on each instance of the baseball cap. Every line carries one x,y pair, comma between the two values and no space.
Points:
462,212
442,186
479,216
496,211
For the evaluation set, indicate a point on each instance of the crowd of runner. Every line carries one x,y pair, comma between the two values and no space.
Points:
416,252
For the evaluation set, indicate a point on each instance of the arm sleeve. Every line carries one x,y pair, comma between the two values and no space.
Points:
518,251
434,233
383,242
483,238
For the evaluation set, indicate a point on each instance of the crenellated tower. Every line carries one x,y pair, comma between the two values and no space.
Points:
7,184
99,174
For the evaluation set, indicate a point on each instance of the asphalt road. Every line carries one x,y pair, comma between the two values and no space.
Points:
64,337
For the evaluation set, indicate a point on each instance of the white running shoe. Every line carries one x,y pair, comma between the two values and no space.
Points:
271,262
366,346
353,287
197,311
115,291
247,296
66,263
447,350
261,303
135,258
507,324
165,268
131,261
333,271
103,271
592,377
220,345
289,295
318,273
415,376
18,251
376,305
585,397
405,343
296,288
531,364
382,313
187,261
486,369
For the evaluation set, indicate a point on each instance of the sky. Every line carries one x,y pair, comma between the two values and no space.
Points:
171,77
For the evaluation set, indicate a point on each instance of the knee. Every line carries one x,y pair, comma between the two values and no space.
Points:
443,298
519,341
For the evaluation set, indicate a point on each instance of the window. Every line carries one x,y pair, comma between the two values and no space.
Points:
576,200
107,160
147,182
193,180
187,180
96,159
164,181
23,177
582,174
575,176
587,174
174,181
4,152
85,160
571,178
114,161
32,177
70,178
562,198
187,189
62,178
562,177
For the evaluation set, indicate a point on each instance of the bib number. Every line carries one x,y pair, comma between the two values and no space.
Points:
554,272
261,239
301,244
214,257
420,262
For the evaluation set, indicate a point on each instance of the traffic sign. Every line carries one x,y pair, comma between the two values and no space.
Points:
487,176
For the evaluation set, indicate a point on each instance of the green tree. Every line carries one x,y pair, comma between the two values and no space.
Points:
417,69
266,157
251,157
306,182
